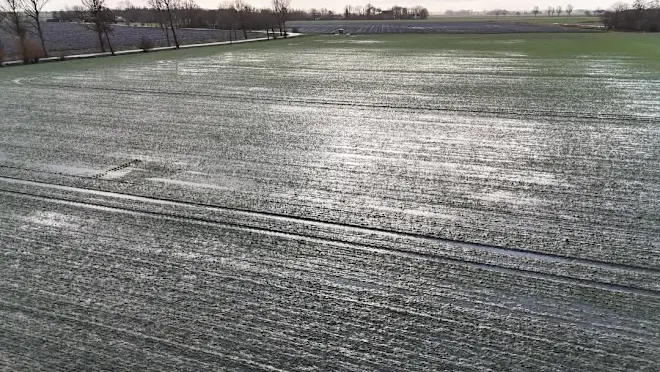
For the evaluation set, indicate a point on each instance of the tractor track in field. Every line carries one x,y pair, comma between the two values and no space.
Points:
339,103
118,168
505,252
118,186
458,300
99,176
491,74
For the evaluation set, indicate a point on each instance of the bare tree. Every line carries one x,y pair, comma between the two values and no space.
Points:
569,9
189,14
241,9
14,23
536,11
100,20
32,10
419,11
369,10
550,11
106,19
227,19
2,48
168,6
639,5
558,10
281,9
267,21
160,16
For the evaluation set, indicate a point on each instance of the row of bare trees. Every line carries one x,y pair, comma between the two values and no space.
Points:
552,11
22,17
172,14
233,16
369,11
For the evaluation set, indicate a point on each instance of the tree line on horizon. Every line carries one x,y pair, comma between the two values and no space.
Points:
192,15
370,12
642,15
550,11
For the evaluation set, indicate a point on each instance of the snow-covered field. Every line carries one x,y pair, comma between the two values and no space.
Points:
327,204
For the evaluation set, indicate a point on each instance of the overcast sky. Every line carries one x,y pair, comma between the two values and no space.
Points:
431,5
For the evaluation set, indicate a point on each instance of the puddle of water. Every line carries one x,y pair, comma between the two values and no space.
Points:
117,174
354,41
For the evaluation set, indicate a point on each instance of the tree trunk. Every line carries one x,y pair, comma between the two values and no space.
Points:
107,37
43,42
244,33
176,41
23,49
163,28
16,20
100,33
41,33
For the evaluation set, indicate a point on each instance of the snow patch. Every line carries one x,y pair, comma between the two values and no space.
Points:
53,219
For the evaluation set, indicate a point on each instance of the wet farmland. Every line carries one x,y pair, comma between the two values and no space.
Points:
335,204
426,27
